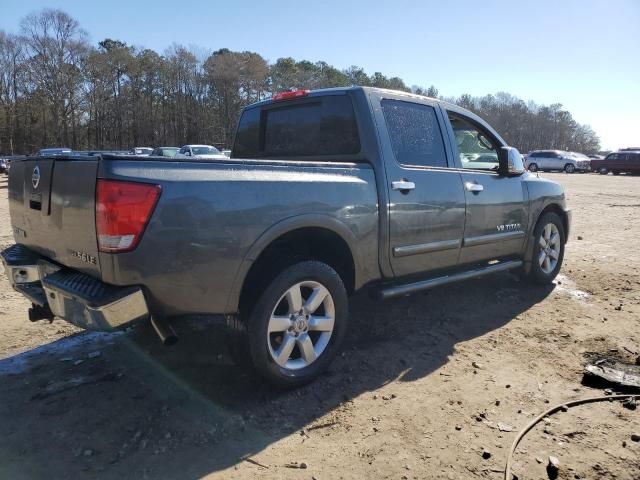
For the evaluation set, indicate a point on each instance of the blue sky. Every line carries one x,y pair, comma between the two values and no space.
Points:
583,54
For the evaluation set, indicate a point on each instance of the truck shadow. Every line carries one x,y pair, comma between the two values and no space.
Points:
187,411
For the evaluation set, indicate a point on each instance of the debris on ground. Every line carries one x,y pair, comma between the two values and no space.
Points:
622,374
553,468
75,382
254,462
503,427
630,403
321,425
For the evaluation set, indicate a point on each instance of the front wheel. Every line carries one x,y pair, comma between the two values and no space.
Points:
533,167
548,250
603,171
569,168
298,324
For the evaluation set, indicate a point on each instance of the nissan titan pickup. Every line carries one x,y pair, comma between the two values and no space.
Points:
326,192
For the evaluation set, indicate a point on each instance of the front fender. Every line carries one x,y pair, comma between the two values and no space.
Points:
544,195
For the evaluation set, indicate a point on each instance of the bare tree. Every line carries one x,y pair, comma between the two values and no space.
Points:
57,89
56,47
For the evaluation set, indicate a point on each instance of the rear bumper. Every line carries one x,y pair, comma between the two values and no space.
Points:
71,295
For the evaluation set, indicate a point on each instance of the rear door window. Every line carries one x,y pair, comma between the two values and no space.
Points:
314,127
414,132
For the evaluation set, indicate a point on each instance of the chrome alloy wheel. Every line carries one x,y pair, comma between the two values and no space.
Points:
301,325
549,242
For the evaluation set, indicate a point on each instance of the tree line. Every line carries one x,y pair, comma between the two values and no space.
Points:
57,89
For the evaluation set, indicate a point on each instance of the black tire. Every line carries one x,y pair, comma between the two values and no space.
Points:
569,168
536,274
533,167
603,171
258,322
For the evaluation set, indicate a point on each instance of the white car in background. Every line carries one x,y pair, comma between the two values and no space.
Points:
141,151
548,160
200,151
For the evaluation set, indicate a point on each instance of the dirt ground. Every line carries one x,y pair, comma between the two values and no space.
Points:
405,400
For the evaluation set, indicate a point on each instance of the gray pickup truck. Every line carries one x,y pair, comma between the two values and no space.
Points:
326,192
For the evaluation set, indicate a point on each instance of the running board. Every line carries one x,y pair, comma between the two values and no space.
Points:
407,288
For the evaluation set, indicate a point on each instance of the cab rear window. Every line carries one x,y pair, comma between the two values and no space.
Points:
314,127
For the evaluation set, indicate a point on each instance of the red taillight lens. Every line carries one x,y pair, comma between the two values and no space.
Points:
122,212
287,95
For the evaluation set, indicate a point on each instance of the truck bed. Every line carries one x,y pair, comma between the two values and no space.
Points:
208,218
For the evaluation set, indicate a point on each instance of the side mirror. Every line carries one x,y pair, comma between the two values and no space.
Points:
510,162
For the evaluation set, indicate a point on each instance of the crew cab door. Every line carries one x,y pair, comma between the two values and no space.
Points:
496,205
426,198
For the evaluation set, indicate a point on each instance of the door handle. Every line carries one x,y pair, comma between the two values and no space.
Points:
403,185
473,187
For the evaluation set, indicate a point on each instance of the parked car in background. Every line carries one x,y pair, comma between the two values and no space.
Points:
226,152
47,152
624,161
5,162
547,160
200,151
583,159
93,153
146,151
165,152
596,157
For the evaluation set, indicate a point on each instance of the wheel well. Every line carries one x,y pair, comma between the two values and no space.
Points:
309,243
557,209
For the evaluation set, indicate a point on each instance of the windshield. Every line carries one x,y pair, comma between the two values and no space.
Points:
205,151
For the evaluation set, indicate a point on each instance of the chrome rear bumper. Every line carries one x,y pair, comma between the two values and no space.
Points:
71,295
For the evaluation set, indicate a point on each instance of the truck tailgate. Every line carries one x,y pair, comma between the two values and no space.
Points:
52,206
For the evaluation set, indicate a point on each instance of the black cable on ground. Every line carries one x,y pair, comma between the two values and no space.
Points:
552,410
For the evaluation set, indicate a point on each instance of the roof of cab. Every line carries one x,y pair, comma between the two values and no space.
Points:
337,90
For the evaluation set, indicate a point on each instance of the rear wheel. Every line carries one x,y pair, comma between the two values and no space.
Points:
533,167
569,168
548,250
298,323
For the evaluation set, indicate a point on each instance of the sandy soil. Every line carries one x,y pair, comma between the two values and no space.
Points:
403,401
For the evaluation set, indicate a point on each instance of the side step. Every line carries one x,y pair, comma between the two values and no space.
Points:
397,290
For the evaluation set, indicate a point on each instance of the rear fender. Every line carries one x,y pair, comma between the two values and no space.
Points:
281,228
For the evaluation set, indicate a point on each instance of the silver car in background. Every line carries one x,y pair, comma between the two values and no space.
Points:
547,160
207,152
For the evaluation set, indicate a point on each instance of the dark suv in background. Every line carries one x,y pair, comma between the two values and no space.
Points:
624,161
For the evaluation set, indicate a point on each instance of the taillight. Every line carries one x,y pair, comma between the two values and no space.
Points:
122,212
288,95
